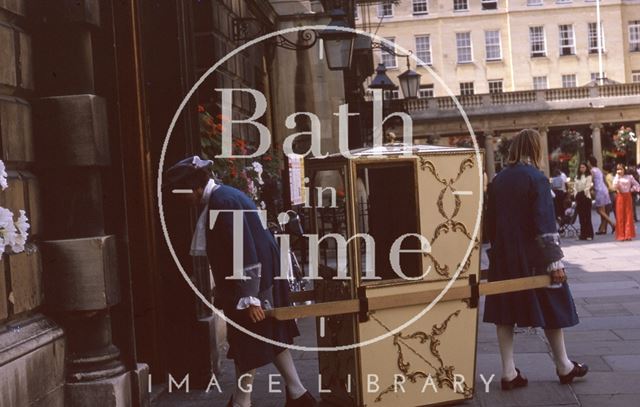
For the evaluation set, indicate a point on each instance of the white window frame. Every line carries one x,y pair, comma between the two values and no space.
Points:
422,4
634,35
470,88
635,76
391,94
535,3
570,38
386,54
592,35
494,4
419,50
464,47
426,91
543,41
545,84
458,4
494,82
487,45
381,10
569,81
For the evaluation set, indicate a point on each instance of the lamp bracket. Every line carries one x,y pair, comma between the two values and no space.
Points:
248,29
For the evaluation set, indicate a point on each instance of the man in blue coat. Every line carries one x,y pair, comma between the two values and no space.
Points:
246,282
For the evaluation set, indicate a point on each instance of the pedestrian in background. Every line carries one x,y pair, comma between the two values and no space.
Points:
633,170
625,183
559,188
602,198
524,242
610,170
582,193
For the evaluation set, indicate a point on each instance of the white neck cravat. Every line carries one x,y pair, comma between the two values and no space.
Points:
199,240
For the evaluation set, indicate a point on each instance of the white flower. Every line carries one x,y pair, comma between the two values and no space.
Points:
22,225
3,176
7,227
257,167
263,205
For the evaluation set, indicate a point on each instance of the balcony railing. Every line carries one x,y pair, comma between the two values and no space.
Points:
521,101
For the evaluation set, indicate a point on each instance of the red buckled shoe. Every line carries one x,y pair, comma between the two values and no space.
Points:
519,381
579,370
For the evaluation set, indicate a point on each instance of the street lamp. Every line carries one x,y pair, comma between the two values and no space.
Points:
409,82
381,80
338,44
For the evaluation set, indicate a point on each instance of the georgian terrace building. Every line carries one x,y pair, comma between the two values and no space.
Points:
513,64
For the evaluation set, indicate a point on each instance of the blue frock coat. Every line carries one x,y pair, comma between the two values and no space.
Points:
259,247
519,209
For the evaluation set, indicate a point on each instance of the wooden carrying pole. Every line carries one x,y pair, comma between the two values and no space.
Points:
403,300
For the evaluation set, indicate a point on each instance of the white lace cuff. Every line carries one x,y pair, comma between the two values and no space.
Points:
245,302
556,265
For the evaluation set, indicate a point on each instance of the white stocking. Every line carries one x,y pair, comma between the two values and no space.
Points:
284,364
242,394
556,340
505,341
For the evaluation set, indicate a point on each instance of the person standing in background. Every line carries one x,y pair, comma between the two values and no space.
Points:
582,193
559,188
625,183
610,170
602,198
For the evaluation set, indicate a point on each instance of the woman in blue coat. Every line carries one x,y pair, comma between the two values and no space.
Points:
524,242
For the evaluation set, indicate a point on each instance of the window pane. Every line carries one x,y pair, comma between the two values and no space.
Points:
569,81
634,35
492,45
537,41
385,10
420,6
495,86
567,43
534,3
423,49
463,44
389,60
489,4
539,82
460,5
466,88
425,91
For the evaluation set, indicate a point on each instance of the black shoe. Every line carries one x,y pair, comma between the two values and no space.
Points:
579,370
306,400
601,233
519,381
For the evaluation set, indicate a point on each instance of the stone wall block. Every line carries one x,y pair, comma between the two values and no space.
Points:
18,7
80,274
32,355
71,131
69,11
26,280
72,203
8,74
16,130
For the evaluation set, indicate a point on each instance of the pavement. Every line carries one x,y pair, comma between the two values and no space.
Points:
604,276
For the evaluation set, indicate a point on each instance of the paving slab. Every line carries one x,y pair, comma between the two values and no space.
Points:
628,334
612,400
623,363
608,383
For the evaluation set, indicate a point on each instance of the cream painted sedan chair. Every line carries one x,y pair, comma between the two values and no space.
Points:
434,192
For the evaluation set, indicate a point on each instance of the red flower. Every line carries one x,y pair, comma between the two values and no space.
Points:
219,128
200,109
267,158
209,121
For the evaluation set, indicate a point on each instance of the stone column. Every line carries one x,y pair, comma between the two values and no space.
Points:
596,141
489,155
544,149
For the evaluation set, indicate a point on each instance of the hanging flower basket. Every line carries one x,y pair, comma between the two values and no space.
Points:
571,142
245,174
